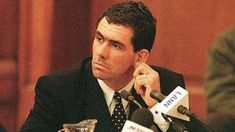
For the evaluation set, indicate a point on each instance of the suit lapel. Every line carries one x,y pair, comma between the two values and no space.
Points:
96,106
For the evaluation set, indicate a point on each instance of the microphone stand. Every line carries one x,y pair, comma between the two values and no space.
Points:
183,110
179,127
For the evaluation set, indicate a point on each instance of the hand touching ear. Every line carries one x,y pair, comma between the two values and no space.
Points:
146,80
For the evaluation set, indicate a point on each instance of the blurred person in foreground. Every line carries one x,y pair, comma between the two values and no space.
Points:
220,83
124,37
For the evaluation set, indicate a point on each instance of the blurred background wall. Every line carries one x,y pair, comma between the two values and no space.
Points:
40,36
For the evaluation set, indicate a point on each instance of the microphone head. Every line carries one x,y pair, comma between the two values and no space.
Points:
157,95
126,95
143,117
169,106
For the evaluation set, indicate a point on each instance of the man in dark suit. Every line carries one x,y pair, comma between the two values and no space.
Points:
220,82
124,36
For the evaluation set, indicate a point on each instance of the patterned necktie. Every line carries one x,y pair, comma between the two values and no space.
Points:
119,115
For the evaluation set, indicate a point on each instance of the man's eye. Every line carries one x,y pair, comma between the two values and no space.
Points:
99,39
116,46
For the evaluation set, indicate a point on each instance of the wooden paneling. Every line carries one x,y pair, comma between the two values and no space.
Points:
8,28
8,94
70,35
8,62
185,31
34,51
52,35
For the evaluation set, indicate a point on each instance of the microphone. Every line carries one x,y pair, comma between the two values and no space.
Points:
157,95
139,116
181,109
176,104
143,117
164,120
141,121
128,97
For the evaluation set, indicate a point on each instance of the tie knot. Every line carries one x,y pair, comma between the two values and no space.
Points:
117,96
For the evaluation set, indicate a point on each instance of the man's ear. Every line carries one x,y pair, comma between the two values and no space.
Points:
142,56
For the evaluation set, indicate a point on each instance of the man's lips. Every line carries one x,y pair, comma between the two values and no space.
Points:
100,65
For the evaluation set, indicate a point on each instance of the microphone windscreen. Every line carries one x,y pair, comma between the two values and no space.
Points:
143,117
125,94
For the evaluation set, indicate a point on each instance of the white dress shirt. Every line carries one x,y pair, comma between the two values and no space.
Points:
108,95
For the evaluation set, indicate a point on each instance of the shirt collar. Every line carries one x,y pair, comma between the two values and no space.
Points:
109,92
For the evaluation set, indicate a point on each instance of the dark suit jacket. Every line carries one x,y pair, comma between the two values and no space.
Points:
72,95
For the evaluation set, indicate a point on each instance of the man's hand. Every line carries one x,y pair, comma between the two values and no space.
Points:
146,79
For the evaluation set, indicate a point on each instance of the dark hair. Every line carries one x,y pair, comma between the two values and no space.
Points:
138,17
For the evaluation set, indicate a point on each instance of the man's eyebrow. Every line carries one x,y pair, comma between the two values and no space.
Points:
98,33
112,41
117,42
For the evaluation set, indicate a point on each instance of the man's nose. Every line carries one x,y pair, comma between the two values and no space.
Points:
103,50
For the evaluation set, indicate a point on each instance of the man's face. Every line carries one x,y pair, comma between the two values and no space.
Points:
113,56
